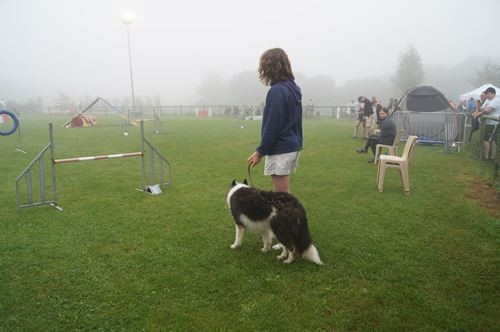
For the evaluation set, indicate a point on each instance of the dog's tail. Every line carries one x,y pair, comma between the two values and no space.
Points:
311,254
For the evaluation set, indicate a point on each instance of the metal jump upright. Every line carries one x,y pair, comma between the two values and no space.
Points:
27,174
158,176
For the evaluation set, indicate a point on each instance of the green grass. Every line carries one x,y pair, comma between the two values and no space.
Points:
116,259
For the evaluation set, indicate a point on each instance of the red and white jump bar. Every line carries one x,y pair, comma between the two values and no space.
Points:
107,156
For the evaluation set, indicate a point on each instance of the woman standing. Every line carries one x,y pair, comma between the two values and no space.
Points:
281,133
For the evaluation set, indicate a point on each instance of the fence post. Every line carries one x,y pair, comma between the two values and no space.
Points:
447,133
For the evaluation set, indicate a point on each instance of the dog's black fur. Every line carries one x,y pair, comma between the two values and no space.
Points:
282,211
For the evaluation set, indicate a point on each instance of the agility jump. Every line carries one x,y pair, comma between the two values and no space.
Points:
84,119
162,172
126,117
107,156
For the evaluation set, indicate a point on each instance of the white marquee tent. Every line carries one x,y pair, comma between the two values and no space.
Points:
476,92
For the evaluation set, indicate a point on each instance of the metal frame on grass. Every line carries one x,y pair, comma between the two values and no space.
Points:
159,176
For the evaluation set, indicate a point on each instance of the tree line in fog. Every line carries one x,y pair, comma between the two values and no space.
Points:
244,88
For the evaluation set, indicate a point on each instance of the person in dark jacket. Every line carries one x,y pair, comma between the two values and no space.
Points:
281,133
386,136
367,108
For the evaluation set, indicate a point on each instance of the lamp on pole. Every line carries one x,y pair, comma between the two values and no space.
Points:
128,19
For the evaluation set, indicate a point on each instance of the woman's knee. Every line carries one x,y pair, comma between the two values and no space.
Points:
281,183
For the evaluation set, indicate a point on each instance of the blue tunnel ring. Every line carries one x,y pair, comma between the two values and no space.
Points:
14,127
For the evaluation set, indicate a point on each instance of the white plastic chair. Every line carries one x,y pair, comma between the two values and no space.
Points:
393,149
401,163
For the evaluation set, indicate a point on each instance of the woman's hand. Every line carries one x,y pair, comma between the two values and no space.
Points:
254,159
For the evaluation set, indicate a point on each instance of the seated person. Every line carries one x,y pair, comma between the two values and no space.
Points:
386,136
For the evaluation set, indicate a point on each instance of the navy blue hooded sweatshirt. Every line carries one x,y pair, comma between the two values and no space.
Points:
282,123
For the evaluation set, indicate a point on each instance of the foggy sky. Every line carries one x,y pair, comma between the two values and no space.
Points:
80,47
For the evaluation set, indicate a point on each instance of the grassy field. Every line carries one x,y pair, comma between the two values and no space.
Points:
116,259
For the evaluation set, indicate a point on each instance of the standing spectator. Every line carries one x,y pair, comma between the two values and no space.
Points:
351,108
462,107
386,136
395,106
281,133
375,102
371,119
471,105
479,104
366,106
475,115
377,106
359,120
490,111
390,107
377,109
452,105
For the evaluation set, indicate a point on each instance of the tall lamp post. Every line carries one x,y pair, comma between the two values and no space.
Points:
128,19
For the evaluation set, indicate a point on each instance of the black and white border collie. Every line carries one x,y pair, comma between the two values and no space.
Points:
271,214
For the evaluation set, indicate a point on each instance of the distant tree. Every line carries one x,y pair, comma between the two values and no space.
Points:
138,102
63,103
12,105
85,102
245,88
39,104
115,101
148,101
410,71
489,73
380,87
30,106
319,88
212,89
126,101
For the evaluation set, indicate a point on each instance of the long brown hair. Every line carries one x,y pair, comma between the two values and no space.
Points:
275,66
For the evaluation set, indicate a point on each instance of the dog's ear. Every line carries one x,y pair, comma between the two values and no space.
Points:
233,183
245,182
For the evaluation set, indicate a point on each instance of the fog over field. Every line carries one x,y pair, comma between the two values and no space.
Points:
80,47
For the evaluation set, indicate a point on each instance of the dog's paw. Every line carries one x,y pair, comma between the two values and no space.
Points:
289,259
283,255
264,249
234,246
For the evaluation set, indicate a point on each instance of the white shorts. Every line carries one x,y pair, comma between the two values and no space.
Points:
369,121
281,164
